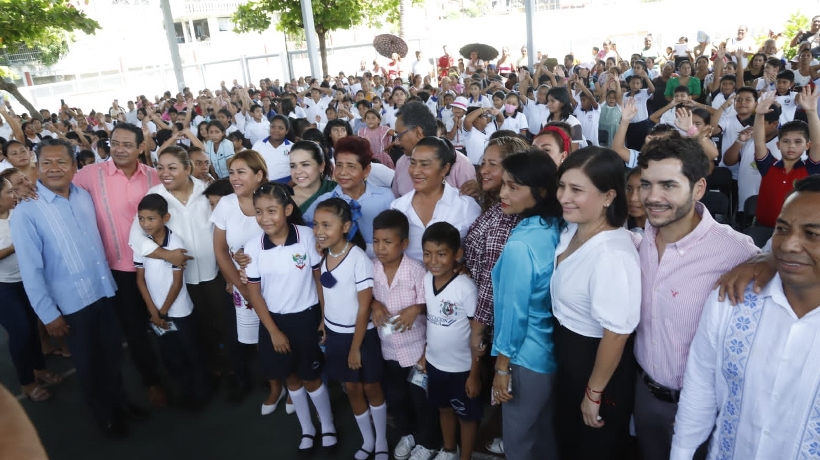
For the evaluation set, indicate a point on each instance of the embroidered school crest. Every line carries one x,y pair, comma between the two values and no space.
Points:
448,308
300,259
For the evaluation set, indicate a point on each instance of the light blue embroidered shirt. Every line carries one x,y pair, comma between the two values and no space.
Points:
521,295
61,255
373,201
219,157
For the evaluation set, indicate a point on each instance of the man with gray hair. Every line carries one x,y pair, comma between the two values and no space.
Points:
69,284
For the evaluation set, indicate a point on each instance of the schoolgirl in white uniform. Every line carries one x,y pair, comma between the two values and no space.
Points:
352,347
283,289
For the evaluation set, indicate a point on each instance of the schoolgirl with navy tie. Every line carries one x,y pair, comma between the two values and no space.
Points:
352,348
283,289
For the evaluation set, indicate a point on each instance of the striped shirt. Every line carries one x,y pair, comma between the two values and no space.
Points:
675,288
62,260
407,289
115,200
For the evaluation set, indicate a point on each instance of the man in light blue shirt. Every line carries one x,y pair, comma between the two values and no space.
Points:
69,284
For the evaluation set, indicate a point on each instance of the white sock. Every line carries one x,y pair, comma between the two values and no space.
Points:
366,428
300,403
321,400
379,415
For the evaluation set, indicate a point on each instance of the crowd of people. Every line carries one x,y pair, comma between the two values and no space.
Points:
452,244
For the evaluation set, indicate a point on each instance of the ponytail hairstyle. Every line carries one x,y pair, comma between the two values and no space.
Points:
343,211
283,194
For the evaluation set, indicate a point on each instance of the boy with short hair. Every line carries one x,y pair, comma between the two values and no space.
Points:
453,384
731,124
785,96
681,97
399,311
162,287
794,139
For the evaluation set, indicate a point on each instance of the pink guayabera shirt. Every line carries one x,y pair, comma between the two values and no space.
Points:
115,201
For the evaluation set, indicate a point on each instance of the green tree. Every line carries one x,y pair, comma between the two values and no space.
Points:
41,24
796,23
328,15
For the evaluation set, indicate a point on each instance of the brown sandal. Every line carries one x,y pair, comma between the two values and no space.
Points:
47,377
37,394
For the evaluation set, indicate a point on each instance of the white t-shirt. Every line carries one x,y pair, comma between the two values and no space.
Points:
460,211
668,117
380,175
599,285
159,277
516,123
239,229
448,322
748,176
4,165
589,122
5,131
483,101
731,127
255,131
314,109
9,268
788,107
474,142
420,67
389,117
353,275
536,115
276,158
285,272
640,103
718,101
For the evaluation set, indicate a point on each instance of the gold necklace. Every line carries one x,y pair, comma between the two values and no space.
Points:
593,233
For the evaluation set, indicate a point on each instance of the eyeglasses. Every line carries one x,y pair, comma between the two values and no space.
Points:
400,134
128,145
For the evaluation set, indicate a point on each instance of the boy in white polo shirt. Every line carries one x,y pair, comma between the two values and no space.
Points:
453,384
162,287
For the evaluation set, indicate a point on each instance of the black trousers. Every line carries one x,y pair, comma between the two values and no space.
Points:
412,413
95,350
134,319
575,355
18,318
180,351
209,315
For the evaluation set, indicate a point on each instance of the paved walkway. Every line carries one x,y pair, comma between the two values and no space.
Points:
220,432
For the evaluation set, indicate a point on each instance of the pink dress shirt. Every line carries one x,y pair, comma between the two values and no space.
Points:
675,289
115,201
407,289
461,172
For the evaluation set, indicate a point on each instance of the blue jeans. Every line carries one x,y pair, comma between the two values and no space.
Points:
18,319
96,348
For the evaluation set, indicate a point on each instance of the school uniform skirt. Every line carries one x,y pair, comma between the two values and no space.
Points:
337,349
575,355
305,358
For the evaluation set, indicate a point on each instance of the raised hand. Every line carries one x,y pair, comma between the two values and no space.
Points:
808,98
630,110
764,103
745,134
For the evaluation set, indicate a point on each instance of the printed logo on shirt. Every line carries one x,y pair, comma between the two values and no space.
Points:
239,302
448,310
300,259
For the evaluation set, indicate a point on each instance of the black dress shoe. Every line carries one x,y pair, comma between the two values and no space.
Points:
114,428
133,412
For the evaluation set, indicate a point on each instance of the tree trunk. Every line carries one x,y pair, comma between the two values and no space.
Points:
322,52
404,19
12,89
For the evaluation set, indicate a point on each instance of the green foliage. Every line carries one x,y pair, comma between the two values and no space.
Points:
42,24
797,22
327,15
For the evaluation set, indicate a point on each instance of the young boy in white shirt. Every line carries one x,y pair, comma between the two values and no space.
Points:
453,383
162,287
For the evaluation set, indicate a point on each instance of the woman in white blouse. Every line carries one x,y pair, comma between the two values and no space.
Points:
596,298
190,219
433,199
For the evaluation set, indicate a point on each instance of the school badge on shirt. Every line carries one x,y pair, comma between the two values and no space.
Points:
300,259
448,311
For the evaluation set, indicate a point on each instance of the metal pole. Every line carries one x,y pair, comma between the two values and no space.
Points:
173,46
287,58
310,35
529,10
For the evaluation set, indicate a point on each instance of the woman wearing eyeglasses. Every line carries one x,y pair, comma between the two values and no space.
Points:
235,224
190,220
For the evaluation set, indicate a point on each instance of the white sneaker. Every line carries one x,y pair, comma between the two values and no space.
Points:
444,455
404,447
421,453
